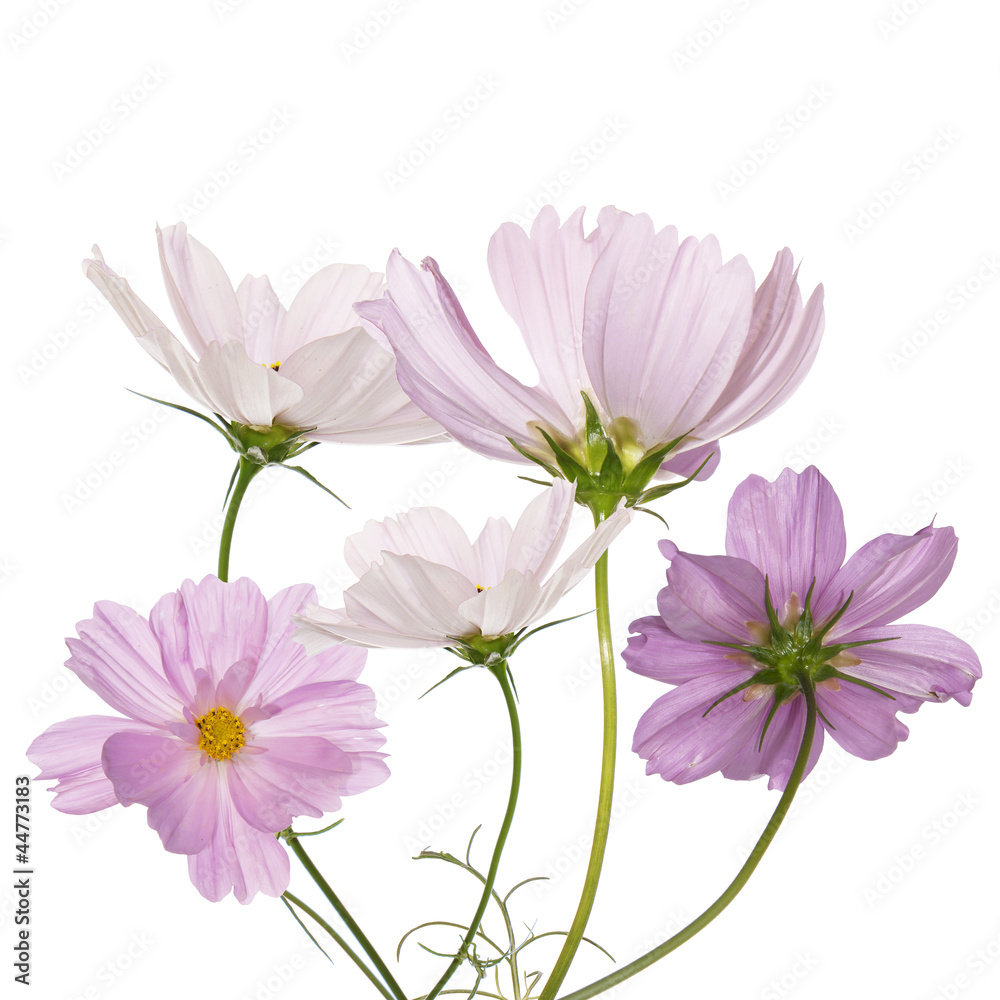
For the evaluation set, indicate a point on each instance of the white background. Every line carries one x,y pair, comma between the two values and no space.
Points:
596,106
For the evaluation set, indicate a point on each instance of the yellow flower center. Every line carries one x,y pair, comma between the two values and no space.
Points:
221,733
275,366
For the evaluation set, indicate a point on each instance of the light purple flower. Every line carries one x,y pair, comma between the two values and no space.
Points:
738,705
423,583
309,366
227,731
664,338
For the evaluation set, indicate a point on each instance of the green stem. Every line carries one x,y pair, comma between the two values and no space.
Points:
344,915
247,470
499,671
742,877
575,933
305,908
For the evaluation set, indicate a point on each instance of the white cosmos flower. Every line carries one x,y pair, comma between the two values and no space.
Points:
422,582
256,362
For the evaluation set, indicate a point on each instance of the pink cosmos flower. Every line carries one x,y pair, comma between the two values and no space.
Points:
310,366
227,731
423,583
740,635
665,340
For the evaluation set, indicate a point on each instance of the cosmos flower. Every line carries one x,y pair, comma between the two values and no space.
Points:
741,635
664,339
422,582
310,366
226,733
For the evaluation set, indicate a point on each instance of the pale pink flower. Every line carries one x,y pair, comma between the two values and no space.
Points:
226,733
422,582
309,366
665,339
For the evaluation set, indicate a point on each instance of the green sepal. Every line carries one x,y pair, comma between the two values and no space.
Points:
646,467
534,458
313,479
661,491
598,445
571,469
231,439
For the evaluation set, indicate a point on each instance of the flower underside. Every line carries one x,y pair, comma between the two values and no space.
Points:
607,466
792,655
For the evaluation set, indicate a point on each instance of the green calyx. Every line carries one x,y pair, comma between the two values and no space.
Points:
607,467
794,655
257,446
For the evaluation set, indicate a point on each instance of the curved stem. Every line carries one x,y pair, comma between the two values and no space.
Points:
344,915
586,904
742,877
499,671
305,908
246,471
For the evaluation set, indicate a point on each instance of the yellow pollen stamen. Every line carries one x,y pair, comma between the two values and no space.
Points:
275,366
479,589
221,733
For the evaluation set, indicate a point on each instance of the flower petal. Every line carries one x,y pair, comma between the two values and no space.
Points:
118,657
446,371
428,532
659,653
777,354
661,315
491,551
165,775
239,859
199,289
541,280
863,722
922,662
710,597
889,577
541,530
792,530
261,316
71,752
324,306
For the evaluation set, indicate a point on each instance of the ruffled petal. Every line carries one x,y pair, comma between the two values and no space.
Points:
295,776
199,289
70,751
920,661
863,722
239,859
889,577
324,306
710,597
166,776
659,653
792,530
118,657
541,530
777,354
446,371
428,532
541,280
261,314
664,327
